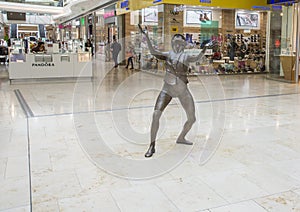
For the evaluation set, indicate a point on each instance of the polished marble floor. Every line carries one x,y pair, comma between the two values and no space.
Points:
82,149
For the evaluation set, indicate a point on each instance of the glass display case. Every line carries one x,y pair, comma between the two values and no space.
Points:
43,58
65,58
84,57
14,57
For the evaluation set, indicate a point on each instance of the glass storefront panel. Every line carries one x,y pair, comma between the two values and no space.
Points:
282,43
239,37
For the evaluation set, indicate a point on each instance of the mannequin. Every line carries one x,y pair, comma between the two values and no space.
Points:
175,86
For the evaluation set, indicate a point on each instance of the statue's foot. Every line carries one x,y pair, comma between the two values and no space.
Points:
183,141
150,151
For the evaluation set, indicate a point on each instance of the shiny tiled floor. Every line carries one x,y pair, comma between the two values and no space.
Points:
83,148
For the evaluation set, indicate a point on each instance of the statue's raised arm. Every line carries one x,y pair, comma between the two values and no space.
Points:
158,54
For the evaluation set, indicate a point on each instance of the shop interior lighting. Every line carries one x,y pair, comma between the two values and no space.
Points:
10,6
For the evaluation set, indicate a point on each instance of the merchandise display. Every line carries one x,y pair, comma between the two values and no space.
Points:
236,49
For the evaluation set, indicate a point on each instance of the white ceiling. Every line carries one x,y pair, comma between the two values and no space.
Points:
79,7
36,2
75,8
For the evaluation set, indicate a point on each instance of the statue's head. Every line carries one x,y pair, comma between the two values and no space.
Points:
178,43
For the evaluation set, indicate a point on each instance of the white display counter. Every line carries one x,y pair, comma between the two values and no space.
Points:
41,66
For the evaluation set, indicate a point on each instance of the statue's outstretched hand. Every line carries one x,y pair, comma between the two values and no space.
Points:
211,44
141,30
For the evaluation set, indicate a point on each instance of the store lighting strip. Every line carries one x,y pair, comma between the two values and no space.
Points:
17,7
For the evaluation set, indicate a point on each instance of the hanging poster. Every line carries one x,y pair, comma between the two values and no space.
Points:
247,20
150,14
197,17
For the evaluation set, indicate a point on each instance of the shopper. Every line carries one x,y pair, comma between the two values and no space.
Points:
243,50
232,47
39,48
88,44
130,55
115,48
25,41
107,52
9,42
175,85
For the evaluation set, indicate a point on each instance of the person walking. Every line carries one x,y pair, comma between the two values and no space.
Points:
89,46
115,48
130,54
26,45
232,47
107,52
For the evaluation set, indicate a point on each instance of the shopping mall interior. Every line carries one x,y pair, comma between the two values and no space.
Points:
89,88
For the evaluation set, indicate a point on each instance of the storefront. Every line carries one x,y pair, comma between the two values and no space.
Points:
110,24
105,28
283,34
240,34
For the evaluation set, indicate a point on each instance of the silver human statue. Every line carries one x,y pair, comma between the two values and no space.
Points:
175,85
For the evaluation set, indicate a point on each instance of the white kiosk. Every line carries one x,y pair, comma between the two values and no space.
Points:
55,65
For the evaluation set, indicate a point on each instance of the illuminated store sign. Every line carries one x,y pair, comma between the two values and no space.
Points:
82,21
109,14
280,1
179,8
205,1
122,7
276,7
272,7
124,4
260,8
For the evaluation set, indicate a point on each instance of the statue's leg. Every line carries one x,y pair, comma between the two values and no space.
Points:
188,105
161,103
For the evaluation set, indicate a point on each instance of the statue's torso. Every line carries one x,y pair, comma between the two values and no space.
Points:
177,66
